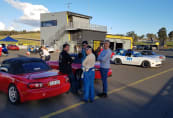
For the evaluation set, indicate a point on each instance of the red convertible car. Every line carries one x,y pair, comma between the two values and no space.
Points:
76,66
12,47
26,79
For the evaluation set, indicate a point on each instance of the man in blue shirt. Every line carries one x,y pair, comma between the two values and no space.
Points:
104,59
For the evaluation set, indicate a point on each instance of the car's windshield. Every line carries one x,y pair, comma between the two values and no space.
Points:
148,53
119,51
35,67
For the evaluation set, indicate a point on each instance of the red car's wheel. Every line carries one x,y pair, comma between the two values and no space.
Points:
13,94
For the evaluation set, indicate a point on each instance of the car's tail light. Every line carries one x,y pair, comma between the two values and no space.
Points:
161,57
67,79
35,85
112,54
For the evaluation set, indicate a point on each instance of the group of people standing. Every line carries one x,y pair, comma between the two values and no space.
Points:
43,52
88,68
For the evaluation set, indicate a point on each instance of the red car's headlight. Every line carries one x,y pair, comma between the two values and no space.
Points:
35,85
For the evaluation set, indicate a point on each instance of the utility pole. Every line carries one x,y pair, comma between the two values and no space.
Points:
68,5
88,7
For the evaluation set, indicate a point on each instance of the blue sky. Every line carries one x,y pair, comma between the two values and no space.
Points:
121,16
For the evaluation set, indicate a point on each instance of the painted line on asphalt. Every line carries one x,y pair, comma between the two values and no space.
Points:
110,92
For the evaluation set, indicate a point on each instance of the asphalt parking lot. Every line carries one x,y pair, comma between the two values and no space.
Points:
134,92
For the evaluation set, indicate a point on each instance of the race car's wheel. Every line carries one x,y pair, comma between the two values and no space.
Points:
146,64
13,94
117,61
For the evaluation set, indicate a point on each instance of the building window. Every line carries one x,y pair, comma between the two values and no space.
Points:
49,23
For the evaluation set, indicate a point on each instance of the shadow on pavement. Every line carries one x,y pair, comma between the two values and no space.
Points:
19,55
161,105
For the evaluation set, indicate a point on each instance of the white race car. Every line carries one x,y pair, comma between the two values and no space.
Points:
136,58
50,49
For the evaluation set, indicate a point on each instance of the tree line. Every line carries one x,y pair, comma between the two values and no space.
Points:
161,36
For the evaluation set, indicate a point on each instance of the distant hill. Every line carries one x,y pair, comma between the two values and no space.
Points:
24,38
28,36
35,35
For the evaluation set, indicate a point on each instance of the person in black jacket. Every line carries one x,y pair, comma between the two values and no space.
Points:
65,62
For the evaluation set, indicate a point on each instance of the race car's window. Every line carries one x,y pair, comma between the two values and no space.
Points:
35,67
148,53
137,55
128,54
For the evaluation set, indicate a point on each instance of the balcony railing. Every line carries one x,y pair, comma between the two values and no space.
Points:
86,26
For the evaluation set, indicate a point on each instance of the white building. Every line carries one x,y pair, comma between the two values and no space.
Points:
69,27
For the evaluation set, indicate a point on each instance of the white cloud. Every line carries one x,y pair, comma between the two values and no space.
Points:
10,28
2,26
36,29
31,13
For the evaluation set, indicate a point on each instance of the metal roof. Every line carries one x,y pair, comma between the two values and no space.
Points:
78,15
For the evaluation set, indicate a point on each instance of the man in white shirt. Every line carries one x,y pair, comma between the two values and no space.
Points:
45,53
89,75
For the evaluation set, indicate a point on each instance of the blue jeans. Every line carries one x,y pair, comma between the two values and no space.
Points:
104,75
88,83
73,88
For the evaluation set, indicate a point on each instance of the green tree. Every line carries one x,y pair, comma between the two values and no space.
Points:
141,37
151,36
24,31
133,35
162,35
171,36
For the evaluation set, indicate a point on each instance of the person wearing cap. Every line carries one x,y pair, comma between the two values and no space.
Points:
89,75
65,67
104,59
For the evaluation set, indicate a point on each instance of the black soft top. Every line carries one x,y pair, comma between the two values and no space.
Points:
16,65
